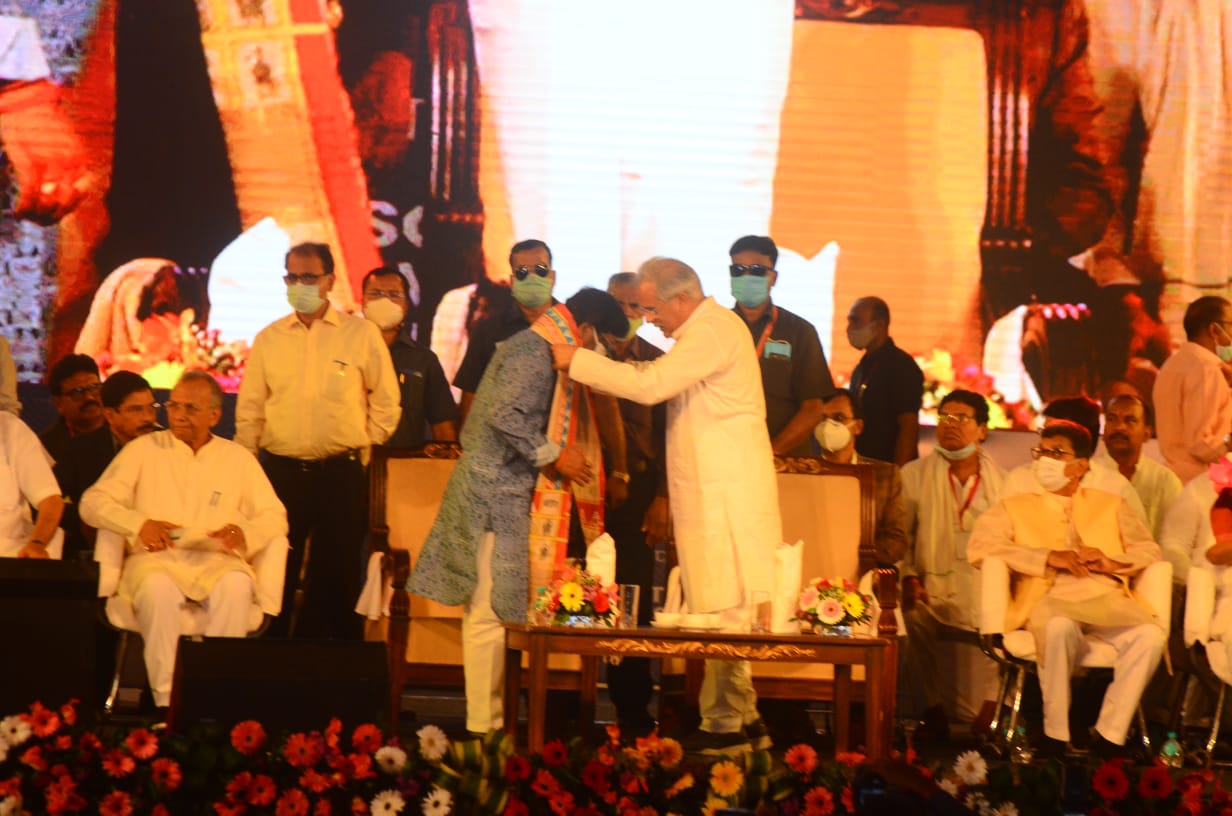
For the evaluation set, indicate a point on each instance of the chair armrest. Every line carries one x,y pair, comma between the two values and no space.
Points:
1199,604
1154,586
270,567
109,551
994,595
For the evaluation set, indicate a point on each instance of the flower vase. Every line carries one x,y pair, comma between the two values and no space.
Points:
835,630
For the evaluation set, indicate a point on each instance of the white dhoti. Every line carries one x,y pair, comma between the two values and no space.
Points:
483,649
727,699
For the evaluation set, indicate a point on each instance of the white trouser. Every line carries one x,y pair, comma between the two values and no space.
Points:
1138,651
727,699
483,649
157,603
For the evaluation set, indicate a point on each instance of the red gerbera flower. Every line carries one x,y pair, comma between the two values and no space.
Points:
545,784
262,790
89,743
554,753
68,712
292,803
848,799
801,758
225,809
63,742
159,810
601,603
367,738
517,768
142,743
361,766
562,804
853,758
594,776
516,807
332,731
247,737
1110,782
314,781
303,751
237,788
166,773
323,808
115,803
1156,782
117,763
818,802
43,721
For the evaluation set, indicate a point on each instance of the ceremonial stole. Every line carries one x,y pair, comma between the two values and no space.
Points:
289,128
571,422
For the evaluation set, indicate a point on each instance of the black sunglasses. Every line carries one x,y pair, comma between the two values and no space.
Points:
539,269
756,270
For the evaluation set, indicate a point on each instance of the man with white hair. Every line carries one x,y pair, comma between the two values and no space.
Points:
720,472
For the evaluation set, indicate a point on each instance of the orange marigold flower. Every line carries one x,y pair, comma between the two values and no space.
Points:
303,751
367,738
247,737
116,803
262,790
818,802
142,743
166,773
293,802
554,753
117,763
801,758
670,752
726,778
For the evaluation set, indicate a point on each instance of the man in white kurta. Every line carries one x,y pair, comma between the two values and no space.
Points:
944,493
1072,549
1126,430
194,509
26,481
720,470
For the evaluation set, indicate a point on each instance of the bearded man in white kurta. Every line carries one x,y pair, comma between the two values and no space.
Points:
1072,550
720,472
194,510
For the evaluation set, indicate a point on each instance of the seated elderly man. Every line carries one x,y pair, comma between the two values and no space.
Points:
194,509
841,423
1072,549
26,481
945,492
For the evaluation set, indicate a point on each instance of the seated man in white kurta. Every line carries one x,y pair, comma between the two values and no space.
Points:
1072,550
194,509
26,481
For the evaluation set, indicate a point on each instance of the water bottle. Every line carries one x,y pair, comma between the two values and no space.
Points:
1020,747
1171,754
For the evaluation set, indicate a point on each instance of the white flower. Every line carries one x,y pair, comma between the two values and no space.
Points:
971,768
432,742
391,758
14,730
949,787
389,801
437,803
1006,809
977,802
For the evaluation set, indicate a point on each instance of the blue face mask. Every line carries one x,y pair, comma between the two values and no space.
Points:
533,291
750,291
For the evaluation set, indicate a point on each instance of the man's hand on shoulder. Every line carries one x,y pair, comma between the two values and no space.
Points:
562,356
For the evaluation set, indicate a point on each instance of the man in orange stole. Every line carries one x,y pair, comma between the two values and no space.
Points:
525,465
1072,550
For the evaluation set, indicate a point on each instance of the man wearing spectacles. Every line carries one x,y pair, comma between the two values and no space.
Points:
533,279
1072,550
1193,403
794,374
944,493
74,384
130,411
318,391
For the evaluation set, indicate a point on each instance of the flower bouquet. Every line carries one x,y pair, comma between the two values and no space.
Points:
575,598
832,606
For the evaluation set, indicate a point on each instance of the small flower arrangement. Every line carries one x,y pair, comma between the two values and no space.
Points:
576,598
828,604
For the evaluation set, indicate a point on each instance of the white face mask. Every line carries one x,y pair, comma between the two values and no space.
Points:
956,455
384,313
1050,473
861,338
1223,352
832,435
304,298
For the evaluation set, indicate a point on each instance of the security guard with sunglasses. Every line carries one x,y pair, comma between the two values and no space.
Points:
794,374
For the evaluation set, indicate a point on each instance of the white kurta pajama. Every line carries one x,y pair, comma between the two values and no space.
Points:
721,480
25,480
1023,530
157,476
956,675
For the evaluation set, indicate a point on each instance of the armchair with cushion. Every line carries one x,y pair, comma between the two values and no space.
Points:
269,565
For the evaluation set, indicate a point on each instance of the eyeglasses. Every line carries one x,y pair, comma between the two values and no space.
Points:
957,419
539,269
79,393
756,270
390,294
186,407
308,278
1052,453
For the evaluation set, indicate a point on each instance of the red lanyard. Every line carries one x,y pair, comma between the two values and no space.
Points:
765,335
954,486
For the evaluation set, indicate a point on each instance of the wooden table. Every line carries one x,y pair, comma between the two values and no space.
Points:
876,654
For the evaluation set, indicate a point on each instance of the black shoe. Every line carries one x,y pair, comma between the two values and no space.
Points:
708,743
1104,749
758,735
1050,748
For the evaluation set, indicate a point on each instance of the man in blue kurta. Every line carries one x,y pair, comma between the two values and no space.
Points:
477,553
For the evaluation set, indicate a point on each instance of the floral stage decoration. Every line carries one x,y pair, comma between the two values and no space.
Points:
50,763
832,606
943,374
575,598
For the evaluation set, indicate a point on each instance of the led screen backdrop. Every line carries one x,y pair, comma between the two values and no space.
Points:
1036,188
